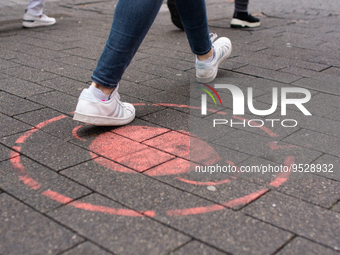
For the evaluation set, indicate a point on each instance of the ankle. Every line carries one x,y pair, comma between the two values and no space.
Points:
206,56
105,90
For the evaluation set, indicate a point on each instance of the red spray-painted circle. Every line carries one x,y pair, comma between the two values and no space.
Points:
99,145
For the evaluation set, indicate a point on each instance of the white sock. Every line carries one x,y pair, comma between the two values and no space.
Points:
99,94
208,60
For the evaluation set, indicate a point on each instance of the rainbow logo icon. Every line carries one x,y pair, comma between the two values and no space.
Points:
204,97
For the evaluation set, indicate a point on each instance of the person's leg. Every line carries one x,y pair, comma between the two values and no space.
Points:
132,20
35,7
194,18
100,104
34,16
241,17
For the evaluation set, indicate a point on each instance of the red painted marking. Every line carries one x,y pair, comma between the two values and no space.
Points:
186,147
111,165
75,135
29,181
114,146
176,166
145,159
140,133
236,202
281,178
27,134
94,208
203,183
109,210
57,197
274,146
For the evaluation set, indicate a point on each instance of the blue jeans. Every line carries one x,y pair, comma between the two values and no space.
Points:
131,22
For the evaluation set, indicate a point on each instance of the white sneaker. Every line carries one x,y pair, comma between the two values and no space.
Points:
206,72
112,112
30,20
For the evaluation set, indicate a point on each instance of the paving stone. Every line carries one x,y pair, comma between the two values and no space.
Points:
66,85
12,105
145,235
232,232
30,232
316,190
7,64
336,208
169,118
56,100
9,126
49,150
136,90
322,86
317,141
298,71
52,122
301,218
47,182
4,153
30,74
86,248
267,148
269,74
332,71
335,115
332,168
22,88
136,191
195,247
302,246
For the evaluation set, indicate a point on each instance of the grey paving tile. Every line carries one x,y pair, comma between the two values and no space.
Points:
9,126
30,74
56,100
169,118
335,115
49,150
303,246
66,85
136,90
232,232
266,148
47,181
336,208
269,74
322,86
331,169
317,141
86,248
299,71
316,190
29,232
7,64
85,63
145,235
131,189
21,87
195,247
332,71
4,153
301,218
12,105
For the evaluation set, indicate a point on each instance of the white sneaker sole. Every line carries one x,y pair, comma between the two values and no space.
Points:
102,120
36,24
241,23
214,74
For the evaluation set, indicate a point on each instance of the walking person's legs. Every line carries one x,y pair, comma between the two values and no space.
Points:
34,16
241,17
100,103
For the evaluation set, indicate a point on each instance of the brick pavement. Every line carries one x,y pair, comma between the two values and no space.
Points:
69,188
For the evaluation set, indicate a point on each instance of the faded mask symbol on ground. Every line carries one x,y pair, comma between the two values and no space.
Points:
152,151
